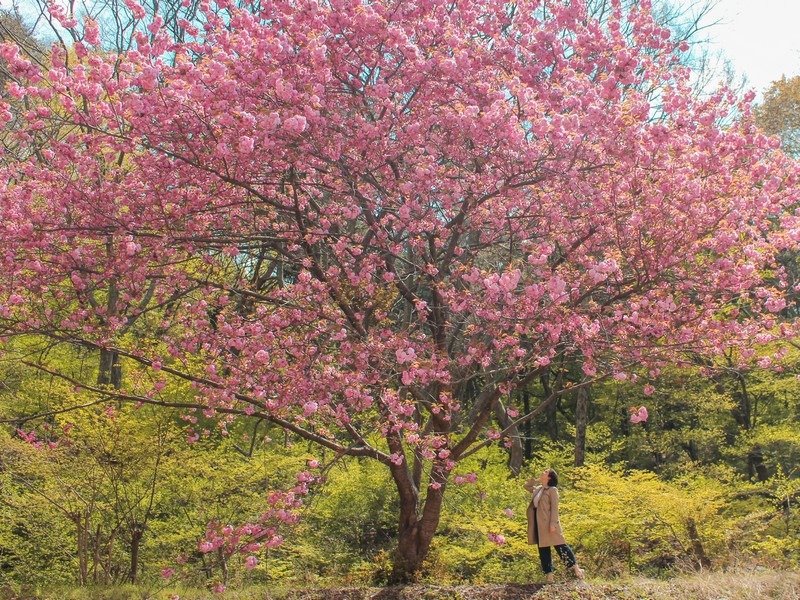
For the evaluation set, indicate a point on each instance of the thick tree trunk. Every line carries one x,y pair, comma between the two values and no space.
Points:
416,528
415,534
580,426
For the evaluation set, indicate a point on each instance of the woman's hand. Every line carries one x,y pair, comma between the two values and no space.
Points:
530,484
552,529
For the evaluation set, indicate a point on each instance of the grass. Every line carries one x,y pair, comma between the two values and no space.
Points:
751,585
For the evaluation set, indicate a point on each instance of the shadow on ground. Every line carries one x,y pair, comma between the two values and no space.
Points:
424,592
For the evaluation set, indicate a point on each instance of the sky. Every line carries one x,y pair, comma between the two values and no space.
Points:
761,38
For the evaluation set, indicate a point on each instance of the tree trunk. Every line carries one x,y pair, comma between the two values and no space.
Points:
551,412
96,555
755,464
697,545
526,407
82,547
742,410
415,535
223,565
580,426
415,532
513,443
110,371
137,531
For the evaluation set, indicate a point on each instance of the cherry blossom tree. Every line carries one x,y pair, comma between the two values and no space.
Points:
369,222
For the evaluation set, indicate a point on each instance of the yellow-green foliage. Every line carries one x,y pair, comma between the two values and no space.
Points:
679,491
347,527
634,520
493,506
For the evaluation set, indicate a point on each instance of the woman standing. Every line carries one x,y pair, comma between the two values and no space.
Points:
544,527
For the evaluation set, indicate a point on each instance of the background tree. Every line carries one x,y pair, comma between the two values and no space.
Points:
779,113
368,224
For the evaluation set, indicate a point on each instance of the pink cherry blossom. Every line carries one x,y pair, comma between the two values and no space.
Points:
357,257
246,144
496,538
638,415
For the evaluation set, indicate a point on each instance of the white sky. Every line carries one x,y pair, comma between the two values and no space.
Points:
761,38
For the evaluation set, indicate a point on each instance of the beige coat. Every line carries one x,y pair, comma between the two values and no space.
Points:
546,517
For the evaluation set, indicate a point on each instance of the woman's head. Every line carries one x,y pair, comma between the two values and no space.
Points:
549,478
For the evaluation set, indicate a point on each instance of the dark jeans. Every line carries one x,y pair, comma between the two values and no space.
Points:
545,555
563,550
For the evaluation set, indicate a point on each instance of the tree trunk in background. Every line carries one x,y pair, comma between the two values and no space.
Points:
551,412
697,545
82,547
513,441
580,426
110,371
96,555
755,464
526,408
743,409
137,531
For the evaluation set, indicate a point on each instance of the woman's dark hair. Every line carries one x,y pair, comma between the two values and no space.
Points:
552,478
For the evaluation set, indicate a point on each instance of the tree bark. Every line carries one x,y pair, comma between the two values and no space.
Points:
81,543
526,407
515,447
755,464
742,410
697,545
415,529
580,426
223,565
96,555
415,534
551,412
137,532
110,370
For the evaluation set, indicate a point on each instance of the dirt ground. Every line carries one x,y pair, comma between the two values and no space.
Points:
711,586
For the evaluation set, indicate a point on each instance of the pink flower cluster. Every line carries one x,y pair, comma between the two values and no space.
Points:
638,415
358,258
